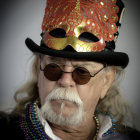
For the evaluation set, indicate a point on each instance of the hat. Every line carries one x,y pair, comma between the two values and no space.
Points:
79,29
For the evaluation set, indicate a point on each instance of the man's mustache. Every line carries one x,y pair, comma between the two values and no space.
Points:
65,94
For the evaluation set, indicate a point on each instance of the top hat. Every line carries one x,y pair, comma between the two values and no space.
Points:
82,29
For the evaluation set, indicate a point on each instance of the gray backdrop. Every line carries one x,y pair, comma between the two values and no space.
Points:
22,18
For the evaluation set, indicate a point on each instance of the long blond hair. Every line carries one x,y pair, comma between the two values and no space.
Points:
112,102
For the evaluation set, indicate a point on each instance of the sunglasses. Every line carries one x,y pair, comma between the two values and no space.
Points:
80,75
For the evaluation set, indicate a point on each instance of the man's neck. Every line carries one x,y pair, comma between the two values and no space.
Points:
85,131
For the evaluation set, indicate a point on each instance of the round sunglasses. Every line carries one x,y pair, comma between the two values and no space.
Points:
80,75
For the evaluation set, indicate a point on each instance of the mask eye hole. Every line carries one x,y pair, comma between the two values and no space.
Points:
88,37
58,33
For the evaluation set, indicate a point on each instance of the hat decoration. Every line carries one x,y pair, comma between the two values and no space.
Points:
82,29
98,17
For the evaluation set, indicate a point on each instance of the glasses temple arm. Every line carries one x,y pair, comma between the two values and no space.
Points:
105,65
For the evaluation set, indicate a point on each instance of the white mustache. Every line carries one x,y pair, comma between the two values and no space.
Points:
65,94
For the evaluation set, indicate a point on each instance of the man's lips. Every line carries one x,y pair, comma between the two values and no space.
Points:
67,103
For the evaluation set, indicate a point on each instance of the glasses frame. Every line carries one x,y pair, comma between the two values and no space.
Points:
93,75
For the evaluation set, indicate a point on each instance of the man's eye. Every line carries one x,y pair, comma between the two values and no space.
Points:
88,37
82,71
58,33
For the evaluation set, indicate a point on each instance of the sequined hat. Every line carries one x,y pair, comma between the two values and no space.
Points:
82,29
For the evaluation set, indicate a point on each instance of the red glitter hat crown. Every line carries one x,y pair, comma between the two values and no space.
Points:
100,16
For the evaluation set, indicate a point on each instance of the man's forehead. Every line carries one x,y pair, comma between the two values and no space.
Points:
73,61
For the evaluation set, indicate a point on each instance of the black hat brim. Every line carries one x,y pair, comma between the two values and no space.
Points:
108,57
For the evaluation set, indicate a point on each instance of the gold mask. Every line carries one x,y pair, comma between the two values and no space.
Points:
76,17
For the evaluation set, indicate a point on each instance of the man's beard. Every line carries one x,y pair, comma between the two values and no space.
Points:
66,94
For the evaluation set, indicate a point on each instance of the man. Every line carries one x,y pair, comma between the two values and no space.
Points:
73,92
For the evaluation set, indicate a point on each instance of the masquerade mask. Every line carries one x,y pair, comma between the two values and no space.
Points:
67,22
80,75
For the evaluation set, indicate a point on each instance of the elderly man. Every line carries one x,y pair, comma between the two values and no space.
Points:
73,92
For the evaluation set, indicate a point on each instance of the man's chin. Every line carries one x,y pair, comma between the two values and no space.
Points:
62,114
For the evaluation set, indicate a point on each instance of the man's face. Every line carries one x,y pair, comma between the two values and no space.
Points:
65,98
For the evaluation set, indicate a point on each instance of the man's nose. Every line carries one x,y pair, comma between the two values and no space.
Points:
66,79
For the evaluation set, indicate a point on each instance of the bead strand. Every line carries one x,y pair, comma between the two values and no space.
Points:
31,126
36,122
97,127
112,130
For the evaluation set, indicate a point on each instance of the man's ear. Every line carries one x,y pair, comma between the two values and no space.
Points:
109,77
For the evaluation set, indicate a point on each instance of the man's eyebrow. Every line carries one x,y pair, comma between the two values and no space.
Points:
56,59
50,57
53,58
61,61
85,64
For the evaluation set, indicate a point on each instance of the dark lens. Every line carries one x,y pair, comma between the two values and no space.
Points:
81,75
52,72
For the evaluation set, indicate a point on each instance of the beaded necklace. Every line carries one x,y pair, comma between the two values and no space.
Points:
33,130
112,130
31,126
97,127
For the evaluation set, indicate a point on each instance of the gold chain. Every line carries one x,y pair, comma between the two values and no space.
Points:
97,127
